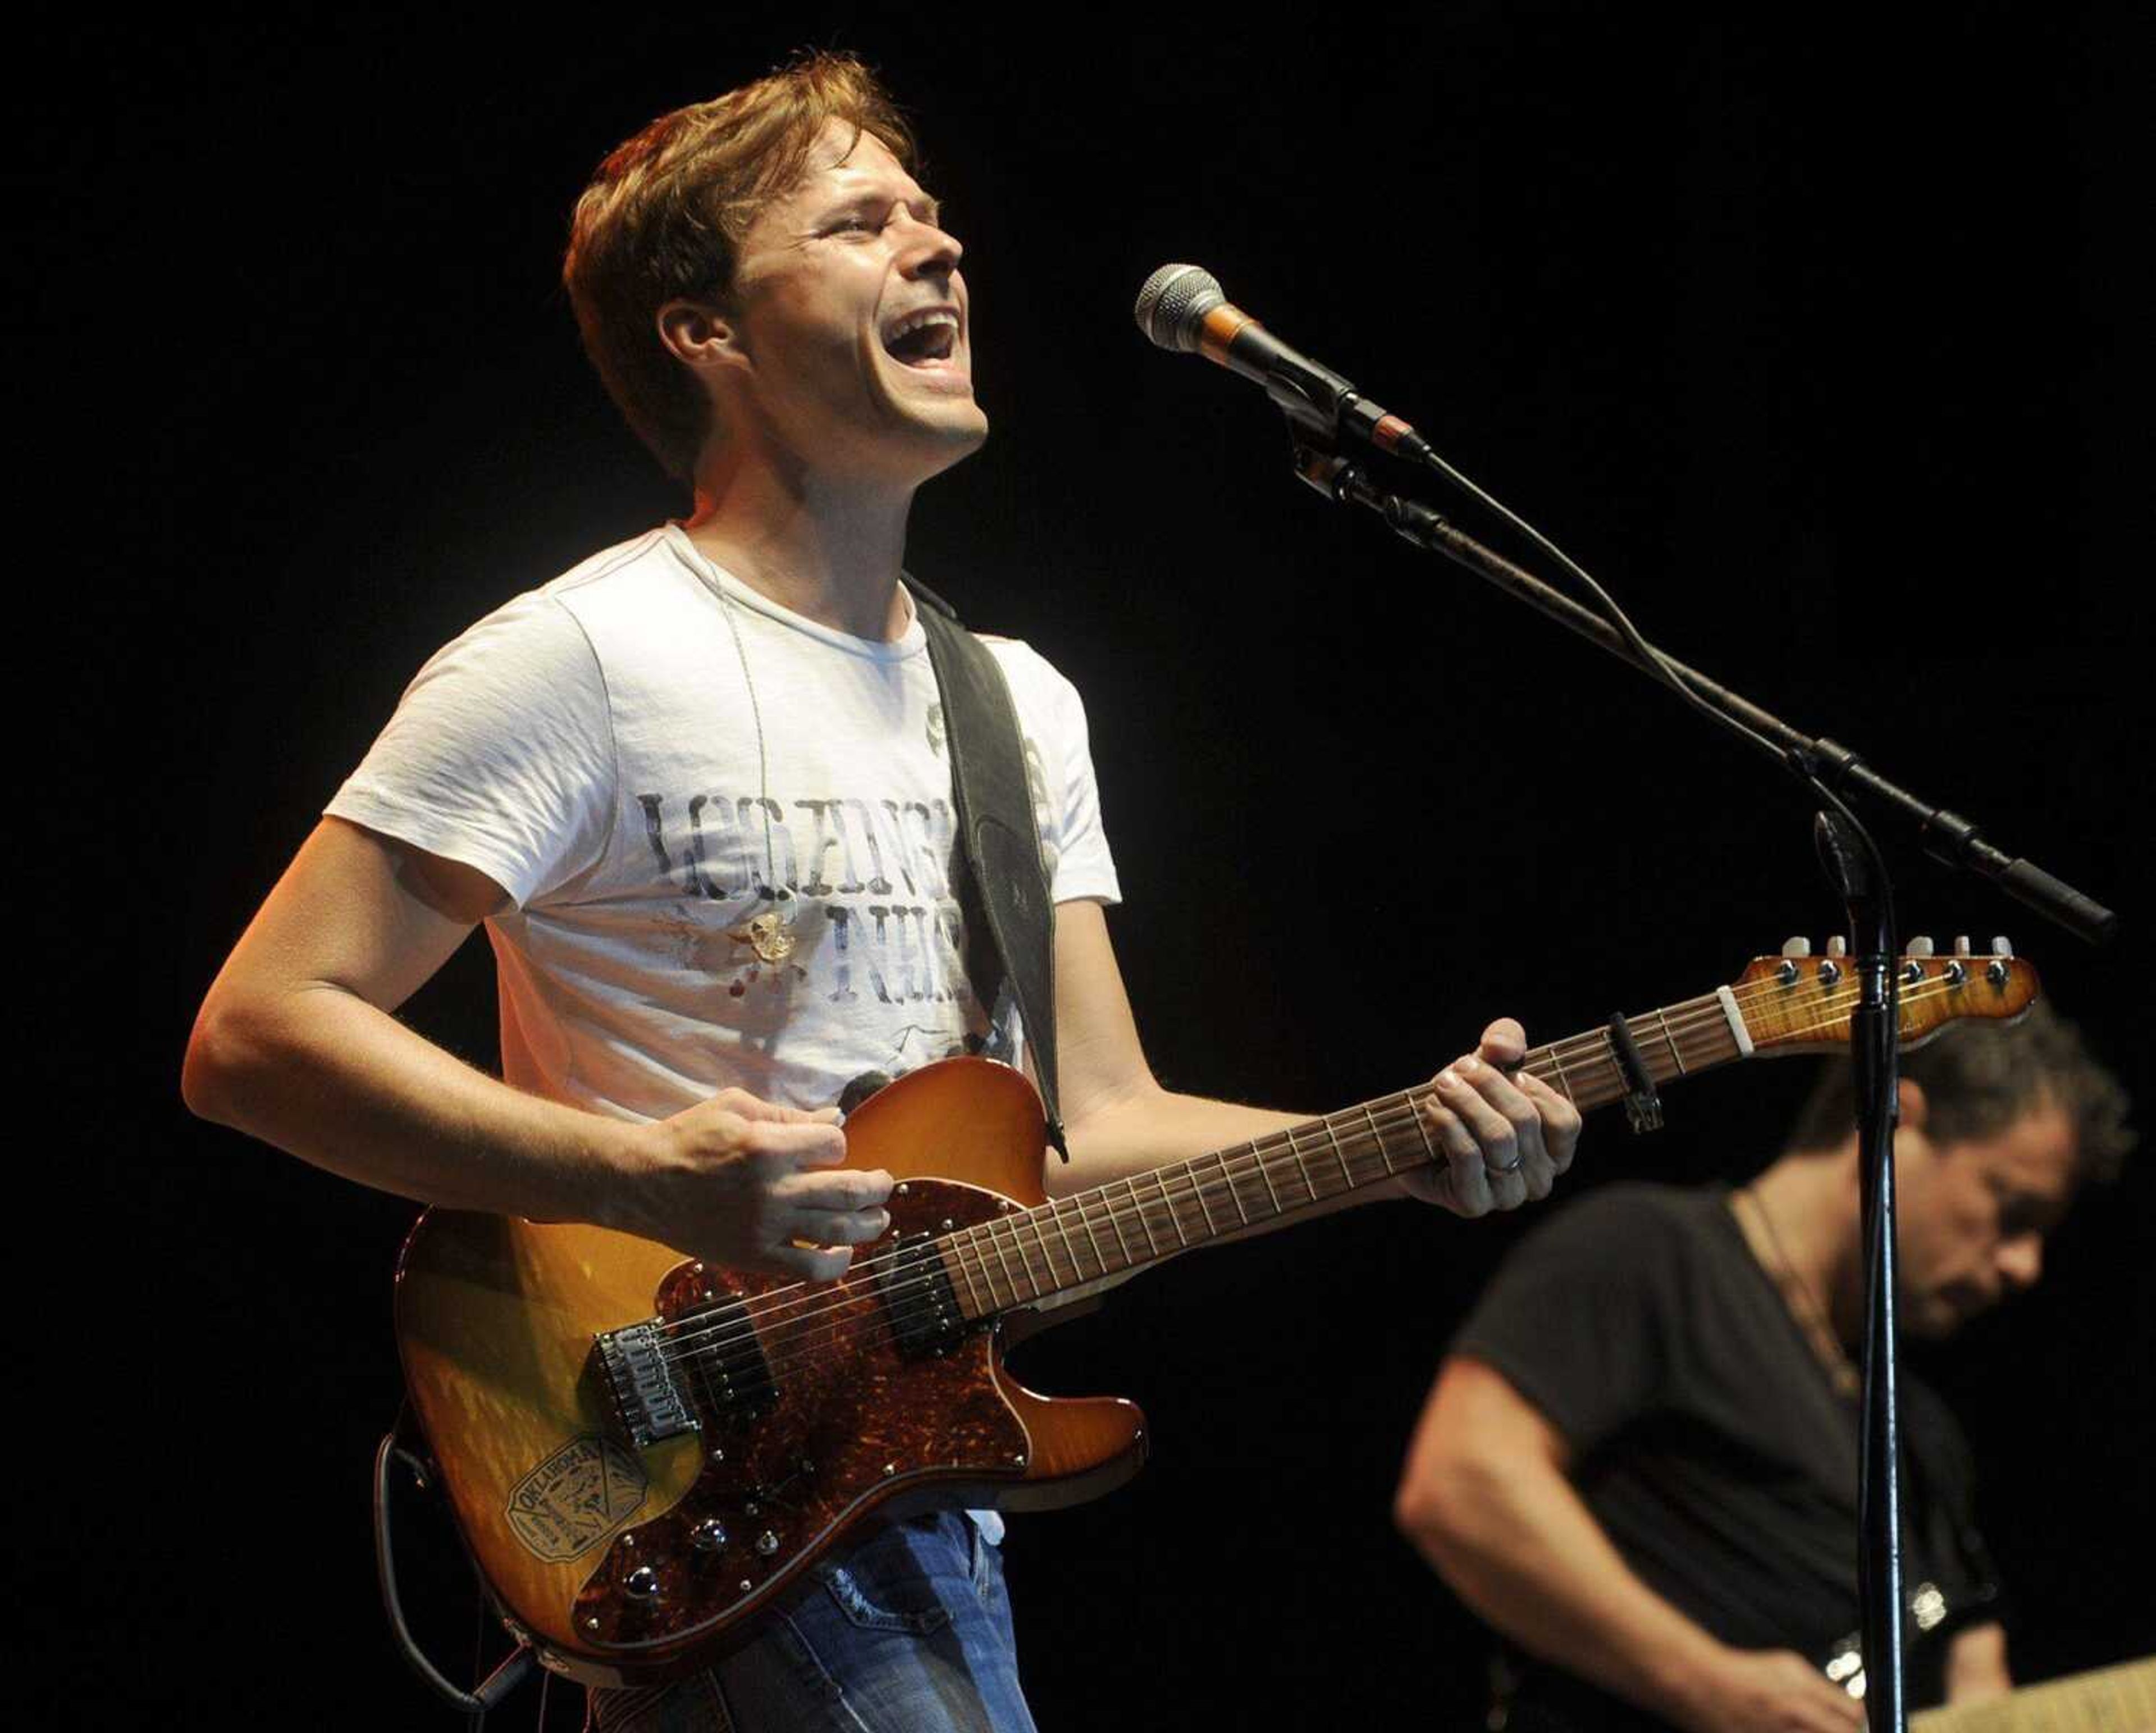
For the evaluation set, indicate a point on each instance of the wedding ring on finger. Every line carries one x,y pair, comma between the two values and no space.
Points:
1504,1167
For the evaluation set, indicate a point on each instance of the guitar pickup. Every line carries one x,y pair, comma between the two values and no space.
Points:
647,1400
919,1301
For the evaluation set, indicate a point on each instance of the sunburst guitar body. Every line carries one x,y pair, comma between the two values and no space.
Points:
814,1408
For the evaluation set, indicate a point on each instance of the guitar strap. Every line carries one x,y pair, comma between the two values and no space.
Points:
1002,888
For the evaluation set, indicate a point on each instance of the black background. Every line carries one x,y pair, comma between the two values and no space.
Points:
1807,341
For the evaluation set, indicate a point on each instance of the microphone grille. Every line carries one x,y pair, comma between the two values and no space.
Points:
1174,302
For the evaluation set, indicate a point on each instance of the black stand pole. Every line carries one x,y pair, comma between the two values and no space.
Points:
1859,875
1851,866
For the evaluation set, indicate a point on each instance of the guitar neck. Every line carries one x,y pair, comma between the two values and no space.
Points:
1029,1256
2112,1700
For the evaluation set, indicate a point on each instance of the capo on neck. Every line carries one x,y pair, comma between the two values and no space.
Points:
1643,1107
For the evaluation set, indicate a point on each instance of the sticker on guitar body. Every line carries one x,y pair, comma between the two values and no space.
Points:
576,1498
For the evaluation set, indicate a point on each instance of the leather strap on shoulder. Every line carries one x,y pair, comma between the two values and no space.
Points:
1004,887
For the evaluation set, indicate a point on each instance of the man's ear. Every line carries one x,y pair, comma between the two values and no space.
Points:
1915,1108
700,335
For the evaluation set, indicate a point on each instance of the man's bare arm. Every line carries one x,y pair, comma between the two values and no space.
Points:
1487,1498
1976,1664
296,1044
1121,1121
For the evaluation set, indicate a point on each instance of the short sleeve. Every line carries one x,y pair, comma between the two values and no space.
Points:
1582,1318
500,754
1067,793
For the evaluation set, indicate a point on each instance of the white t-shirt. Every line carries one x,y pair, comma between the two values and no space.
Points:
593,747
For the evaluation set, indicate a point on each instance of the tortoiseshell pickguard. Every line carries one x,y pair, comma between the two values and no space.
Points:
850,1426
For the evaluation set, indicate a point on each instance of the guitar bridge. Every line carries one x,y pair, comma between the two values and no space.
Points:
648,1402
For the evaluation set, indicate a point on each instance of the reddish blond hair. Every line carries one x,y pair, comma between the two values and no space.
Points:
665,215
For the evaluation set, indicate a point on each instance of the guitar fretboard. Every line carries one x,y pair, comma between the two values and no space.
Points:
1031,1255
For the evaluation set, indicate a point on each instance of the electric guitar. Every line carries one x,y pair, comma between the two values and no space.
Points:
643,1453
2111,1700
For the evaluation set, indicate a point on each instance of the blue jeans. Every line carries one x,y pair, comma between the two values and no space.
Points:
910,1631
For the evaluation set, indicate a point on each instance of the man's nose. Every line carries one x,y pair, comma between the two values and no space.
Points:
2021,1259
930,252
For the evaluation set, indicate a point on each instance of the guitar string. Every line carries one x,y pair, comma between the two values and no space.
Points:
1399,1110
1181,1183
781,1341
887,1308
880,1308
1684,1021
782,1338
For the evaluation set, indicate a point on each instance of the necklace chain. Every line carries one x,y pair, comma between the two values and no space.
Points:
1797,1295
769,935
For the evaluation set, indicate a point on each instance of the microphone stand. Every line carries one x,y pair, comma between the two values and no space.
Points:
1857,872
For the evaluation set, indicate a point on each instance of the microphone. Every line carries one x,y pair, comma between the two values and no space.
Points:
1182,308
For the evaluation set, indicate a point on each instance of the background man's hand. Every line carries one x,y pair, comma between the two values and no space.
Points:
1767,1691
748,1184
1504,1136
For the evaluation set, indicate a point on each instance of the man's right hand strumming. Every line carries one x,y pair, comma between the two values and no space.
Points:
749,1185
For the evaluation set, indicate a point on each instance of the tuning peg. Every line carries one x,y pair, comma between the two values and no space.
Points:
1796,947
2002,947
1837,946
1918,947
1961,945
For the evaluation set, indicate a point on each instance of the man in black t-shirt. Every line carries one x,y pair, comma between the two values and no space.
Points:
1640,1460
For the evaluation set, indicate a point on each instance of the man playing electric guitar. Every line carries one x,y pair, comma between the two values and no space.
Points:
1640,1460
697,789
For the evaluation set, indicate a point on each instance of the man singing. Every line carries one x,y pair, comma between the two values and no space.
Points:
1640,1461
697,789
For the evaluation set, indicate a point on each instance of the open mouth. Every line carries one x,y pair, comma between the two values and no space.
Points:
922,339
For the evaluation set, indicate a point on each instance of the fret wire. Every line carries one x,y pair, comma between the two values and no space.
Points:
1137,1204
1670,1041
1018,1223
1220,1159
1010,1280
987,1280
1384,1155
957,1245
1198,1192
1085,1221
1116,1222
1174,1220
1338,1154
1047,1254
1563,1082
1264,1173
1302,1167
1422,1130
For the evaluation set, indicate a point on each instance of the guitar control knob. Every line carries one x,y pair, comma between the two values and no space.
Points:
641,1584
766,1544
1837,946
1918,948
1796,947
709,1535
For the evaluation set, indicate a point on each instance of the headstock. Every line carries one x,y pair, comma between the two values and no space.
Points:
1797,1003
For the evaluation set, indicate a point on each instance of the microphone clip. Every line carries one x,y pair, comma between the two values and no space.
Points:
1320,464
